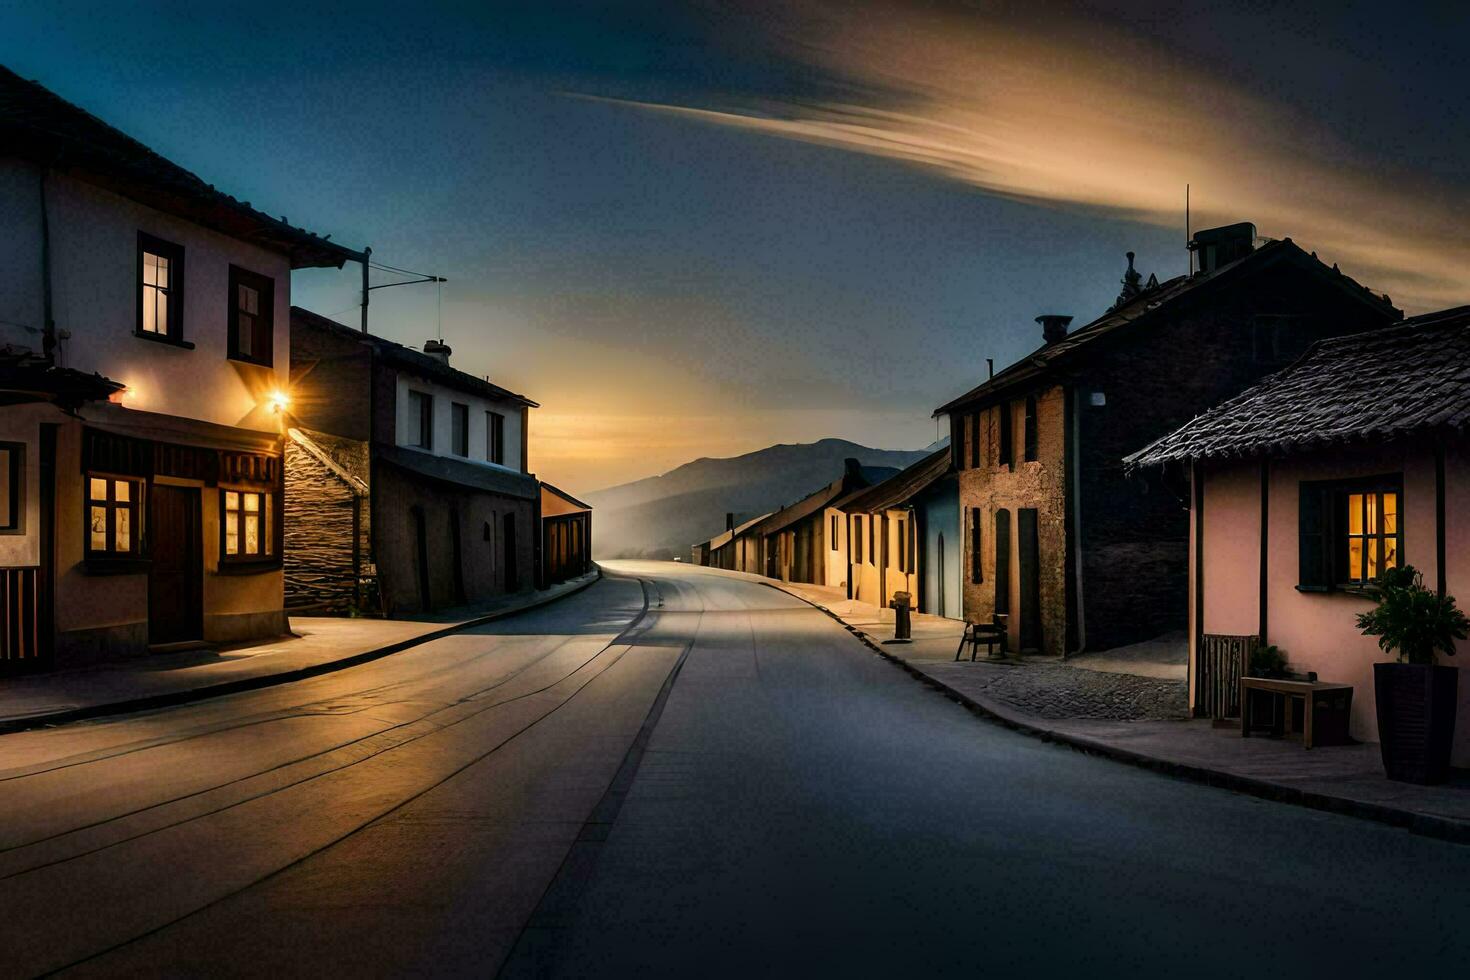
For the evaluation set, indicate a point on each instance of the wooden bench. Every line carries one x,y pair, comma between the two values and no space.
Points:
1325,708
992,634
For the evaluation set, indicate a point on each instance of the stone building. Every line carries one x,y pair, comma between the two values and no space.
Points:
431,460
144,354
1076,554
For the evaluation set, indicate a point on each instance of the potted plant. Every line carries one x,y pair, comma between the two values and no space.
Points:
1416,697
1268,661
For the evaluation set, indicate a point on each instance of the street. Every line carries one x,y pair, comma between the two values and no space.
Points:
722,783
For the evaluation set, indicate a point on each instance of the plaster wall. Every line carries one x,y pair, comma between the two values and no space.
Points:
406,434
94,256
22,424
1316,630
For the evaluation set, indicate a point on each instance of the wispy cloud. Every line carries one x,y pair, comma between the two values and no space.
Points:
1076,117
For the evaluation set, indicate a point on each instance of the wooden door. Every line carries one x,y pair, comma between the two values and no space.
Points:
176,573
1029,557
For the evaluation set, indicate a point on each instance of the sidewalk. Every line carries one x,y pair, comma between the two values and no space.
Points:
319,645
1148,732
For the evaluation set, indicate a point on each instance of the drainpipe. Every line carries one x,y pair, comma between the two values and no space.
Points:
1077,513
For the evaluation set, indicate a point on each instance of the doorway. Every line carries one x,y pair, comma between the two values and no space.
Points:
1029,554
176,572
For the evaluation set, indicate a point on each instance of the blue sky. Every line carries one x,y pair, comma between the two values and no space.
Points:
671,284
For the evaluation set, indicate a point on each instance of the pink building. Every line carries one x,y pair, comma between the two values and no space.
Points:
1307,486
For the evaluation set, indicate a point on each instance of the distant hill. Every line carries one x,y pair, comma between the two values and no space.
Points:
662,516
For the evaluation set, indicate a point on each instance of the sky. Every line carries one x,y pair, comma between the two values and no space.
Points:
702,228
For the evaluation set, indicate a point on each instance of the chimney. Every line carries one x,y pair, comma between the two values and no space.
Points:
851,467
1053,327
438,350
1218,247
729,522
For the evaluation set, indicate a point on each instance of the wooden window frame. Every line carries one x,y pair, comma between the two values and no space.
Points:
1323,535
174,252
111,506
269,514
263,332
15,521
495,437
425,435
459,429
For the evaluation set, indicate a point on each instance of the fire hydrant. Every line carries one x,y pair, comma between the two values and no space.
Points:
902,617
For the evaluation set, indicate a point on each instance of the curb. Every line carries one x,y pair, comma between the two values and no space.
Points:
10,726
1423,824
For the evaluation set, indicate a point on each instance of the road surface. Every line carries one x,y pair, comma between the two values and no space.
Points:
725,783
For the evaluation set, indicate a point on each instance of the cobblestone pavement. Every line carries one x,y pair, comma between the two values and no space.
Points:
1057,691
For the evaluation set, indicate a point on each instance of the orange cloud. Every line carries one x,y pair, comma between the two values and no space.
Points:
1067,117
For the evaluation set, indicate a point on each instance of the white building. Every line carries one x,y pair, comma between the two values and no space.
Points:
144,320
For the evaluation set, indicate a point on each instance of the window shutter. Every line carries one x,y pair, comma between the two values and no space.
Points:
1314,566
1007,453
1003,561
977,564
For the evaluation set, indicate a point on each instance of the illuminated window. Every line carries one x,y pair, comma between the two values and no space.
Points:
12,484
1372,535
246,526
113,527
251,316
160,292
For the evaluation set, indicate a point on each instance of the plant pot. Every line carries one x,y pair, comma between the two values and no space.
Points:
1416,719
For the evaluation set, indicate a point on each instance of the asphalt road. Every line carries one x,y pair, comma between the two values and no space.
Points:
504,800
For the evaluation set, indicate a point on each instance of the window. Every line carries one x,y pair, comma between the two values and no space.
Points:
251,316
12,486
246,525
459,434
977,563
857,540
421,420
975,439
495,437
1007,437
903,545
1029,429
873,541
112,517
160,289
835,527
1349,532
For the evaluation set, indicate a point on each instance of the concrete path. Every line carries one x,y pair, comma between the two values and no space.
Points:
1138,719
320,644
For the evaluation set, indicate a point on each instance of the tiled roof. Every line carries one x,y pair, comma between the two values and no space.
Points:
1414,377
1142,307
902,486
27,376
38,124
410,359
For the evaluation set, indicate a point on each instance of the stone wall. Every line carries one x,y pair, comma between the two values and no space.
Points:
318,533
1041,485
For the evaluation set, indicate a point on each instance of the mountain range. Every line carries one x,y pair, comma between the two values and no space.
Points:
662,516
